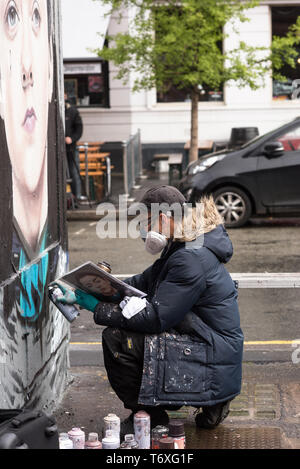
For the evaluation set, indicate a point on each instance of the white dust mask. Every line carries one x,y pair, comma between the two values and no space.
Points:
155,242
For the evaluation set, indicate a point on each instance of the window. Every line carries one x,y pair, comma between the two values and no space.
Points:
86,83
291,140
282,19
174,95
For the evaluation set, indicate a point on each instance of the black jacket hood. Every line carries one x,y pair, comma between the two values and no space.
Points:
219,243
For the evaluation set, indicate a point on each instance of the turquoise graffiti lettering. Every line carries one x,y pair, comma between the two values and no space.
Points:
33,280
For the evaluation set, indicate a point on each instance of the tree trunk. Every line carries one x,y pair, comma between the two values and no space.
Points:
193,156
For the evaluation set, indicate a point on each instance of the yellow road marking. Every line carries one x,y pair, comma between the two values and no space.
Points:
85,343
273,342
254,342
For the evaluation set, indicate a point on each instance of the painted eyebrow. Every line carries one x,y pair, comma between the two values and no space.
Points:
35,2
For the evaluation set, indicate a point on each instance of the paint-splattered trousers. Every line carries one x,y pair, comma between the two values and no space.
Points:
123,353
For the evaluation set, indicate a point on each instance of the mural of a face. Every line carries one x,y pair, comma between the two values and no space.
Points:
25,91
97,284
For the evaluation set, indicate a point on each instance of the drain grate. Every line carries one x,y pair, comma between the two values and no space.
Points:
234,438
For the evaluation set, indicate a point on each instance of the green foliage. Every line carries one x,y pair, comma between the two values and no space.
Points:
179,42
185,49
284,50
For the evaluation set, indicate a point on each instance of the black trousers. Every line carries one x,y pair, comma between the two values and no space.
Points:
123,353
73,164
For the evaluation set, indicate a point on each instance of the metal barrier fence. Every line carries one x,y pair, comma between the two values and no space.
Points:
107,173
258,280
85,147
132,161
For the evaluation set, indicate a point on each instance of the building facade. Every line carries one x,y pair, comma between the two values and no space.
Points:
163,122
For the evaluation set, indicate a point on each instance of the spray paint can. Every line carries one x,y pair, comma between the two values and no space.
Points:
104,266
78,438
142,429
166,443
176,431
70,312
65,442
129,443
157,434
110,441
112,422
93,442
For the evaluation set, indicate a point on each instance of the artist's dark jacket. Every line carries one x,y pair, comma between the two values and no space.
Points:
189,291
74,126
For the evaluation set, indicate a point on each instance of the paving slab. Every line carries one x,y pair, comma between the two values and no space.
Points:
266,415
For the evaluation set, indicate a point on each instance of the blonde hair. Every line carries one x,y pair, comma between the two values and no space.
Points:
196,221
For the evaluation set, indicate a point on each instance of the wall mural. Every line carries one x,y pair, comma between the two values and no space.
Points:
32,231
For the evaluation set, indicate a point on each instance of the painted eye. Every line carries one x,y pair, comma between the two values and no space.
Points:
36,19
12,17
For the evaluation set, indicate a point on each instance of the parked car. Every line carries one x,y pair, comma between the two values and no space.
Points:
262,177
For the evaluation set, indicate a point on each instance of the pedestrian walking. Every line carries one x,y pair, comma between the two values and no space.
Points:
73,133
182,344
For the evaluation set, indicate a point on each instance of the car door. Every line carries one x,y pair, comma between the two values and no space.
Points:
278,178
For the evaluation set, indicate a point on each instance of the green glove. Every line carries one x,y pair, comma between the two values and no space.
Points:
79,297
85,300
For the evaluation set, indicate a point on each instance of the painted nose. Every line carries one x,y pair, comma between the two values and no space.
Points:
27,79
26,57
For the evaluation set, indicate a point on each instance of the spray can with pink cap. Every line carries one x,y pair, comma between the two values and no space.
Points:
78,438
93,442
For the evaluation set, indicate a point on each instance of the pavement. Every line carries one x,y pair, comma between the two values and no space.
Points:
266,415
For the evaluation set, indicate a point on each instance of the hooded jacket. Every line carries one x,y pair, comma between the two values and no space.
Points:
74,126
193,343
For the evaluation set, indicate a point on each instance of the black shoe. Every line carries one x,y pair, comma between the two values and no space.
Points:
127,427
212,416
158,416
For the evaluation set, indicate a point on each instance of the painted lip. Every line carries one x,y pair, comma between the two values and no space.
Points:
29,121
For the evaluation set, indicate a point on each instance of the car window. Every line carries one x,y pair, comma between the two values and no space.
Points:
290,140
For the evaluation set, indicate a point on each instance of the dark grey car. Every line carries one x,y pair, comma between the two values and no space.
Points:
261,177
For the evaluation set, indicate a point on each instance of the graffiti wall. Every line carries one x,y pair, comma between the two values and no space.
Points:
33,334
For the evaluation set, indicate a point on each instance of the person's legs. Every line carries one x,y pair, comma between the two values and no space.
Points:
123,353
123,359
212,416
73,163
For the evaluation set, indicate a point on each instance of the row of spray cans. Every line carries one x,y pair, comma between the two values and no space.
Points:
75,439
171,437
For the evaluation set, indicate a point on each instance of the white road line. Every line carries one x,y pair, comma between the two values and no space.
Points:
93,223
80,231
123,275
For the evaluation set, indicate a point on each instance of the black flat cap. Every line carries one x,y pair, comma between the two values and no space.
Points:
163,194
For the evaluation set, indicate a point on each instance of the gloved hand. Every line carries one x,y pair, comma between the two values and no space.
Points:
67,297
132,305
79,297
85,300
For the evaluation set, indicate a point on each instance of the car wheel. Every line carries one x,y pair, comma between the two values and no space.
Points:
234,206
